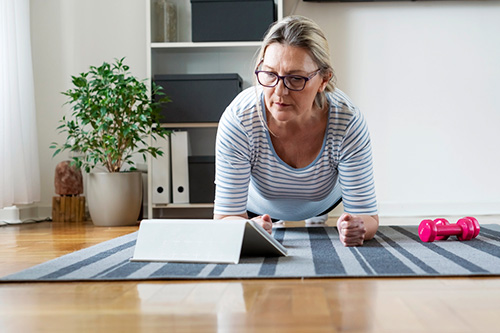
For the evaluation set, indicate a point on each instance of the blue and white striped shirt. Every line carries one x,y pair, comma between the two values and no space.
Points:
251,176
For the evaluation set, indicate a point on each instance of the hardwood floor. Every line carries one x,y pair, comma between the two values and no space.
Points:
310,305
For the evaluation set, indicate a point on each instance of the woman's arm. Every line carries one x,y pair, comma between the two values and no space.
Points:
231,217
371,224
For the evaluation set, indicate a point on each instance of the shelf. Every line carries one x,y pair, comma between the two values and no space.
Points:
204,45
187,57
186,205
189,125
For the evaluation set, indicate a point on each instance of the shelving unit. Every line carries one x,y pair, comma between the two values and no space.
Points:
189,125
187,57
204,45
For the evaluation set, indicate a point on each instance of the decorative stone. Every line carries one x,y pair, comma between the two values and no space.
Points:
68,179
164,21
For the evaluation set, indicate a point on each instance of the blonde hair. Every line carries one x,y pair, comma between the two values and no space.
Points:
299,31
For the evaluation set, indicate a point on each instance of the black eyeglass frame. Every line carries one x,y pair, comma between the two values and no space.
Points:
284,77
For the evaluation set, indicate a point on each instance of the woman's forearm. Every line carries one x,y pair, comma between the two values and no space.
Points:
371,224
230,217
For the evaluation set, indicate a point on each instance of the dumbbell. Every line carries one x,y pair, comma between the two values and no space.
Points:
440,229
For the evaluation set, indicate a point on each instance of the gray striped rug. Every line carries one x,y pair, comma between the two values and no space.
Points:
313,252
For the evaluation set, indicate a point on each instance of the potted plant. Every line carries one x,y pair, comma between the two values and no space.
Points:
112,118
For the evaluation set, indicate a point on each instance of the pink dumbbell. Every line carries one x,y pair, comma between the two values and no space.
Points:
440,229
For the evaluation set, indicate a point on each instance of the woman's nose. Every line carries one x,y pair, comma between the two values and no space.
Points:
280,88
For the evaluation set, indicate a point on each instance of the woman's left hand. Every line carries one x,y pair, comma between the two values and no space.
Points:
351,229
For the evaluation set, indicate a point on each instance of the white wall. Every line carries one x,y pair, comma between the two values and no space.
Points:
425,74
67,37
427,77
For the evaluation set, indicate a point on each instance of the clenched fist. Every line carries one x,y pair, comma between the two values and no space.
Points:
351,229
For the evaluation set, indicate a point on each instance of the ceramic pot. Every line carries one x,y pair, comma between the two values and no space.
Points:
114,199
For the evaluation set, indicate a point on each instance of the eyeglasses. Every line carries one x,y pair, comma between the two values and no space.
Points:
291,82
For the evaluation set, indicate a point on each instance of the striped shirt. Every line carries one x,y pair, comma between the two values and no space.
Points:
251,176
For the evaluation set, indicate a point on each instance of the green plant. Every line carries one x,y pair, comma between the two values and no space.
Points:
112,117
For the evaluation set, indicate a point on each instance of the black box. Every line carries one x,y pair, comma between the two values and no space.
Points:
197,97
231,20
201,179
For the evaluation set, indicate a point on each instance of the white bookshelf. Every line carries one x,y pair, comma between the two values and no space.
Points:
187,57
204,45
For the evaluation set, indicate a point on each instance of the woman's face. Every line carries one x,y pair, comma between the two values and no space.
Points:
284,104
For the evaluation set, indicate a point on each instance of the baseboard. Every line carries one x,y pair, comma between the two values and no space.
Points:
34,212
25,214
426,209
438,209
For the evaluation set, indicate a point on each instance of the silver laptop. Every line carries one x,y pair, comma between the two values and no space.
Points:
204,241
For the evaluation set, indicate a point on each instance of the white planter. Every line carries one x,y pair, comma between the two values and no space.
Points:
114,199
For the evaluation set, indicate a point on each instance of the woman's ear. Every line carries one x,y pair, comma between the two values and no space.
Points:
326,78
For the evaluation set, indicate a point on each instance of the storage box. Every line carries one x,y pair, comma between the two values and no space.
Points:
201,179
231,20
197,97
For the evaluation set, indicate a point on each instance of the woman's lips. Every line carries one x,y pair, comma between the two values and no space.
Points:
281,105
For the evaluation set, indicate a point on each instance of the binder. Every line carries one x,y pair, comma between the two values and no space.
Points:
180,167
160,169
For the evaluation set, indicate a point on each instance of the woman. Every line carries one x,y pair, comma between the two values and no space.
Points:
293,146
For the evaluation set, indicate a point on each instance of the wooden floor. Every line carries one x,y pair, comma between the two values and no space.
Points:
312,305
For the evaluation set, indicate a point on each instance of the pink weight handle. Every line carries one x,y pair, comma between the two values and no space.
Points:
439,222
440,229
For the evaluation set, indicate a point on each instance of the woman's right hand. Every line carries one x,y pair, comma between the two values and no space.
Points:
265,222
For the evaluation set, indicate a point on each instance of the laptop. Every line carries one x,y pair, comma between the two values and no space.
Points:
203,241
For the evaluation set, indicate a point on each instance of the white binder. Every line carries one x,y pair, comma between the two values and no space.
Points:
206,241
160,170
180,167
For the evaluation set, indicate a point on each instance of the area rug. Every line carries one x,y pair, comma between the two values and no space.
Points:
396,251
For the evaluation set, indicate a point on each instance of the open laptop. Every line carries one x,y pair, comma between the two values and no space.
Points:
203,241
